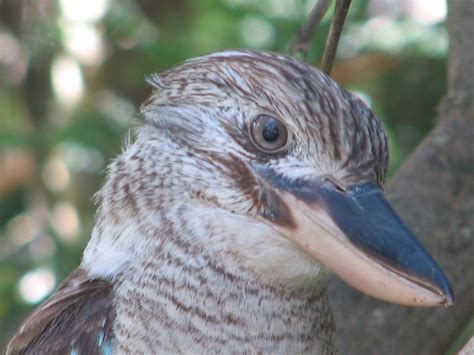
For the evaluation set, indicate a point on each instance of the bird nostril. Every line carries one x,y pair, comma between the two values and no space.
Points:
335,184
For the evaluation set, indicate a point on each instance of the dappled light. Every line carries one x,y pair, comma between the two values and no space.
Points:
257,33
66,77
55,174
65,221
85,43
12,58
35,285
83,10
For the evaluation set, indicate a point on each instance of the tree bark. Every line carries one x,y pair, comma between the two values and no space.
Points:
434,194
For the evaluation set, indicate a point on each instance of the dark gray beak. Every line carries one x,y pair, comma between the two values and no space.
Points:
359,236
372,226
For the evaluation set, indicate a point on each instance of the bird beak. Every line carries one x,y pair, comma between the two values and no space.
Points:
358,235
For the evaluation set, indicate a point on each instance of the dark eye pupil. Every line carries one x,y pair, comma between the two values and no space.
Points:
269,134
270,131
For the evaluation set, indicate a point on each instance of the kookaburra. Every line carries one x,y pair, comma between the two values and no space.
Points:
250,175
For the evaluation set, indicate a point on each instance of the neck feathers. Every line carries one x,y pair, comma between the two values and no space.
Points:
183,300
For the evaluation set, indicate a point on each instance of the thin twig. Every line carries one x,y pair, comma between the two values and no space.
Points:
340,12
306,32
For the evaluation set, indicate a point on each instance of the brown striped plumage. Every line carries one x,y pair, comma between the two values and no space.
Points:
178,237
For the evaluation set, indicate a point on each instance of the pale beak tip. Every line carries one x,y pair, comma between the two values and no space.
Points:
449,298
446,293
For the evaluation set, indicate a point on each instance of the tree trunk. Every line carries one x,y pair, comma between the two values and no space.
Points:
434,193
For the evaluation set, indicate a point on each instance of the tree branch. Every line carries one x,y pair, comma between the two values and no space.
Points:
434,193
306,33
340,13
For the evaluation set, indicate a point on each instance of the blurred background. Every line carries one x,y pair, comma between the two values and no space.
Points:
72,81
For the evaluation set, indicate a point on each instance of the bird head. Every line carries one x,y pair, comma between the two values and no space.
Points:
284,166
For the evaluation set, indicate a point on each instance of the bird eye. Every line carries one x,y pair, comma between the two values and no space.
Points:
269,134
